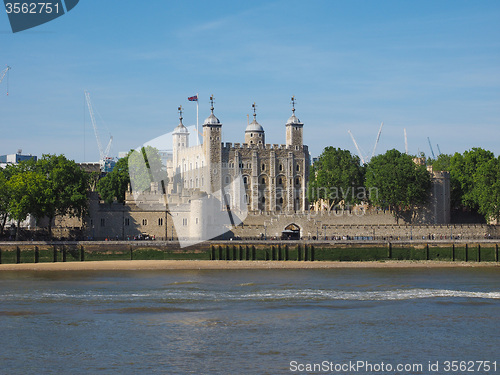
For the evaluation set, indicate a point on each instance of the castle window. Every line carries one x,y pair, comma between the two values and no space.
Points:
197,182
160,221
297,168
196,220
191,183
280,167
251,135
249,165
127,221
246,199
245,179
144,221
280,181
297,181
263,167
260,135
263,181
103,222
227,179
185,222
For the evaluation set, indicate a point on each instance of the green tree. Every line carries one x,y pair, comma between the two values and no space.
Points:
337,177
487,189
144,167
4,200
114,184
441,163
397,183
68,186
463,168
28,193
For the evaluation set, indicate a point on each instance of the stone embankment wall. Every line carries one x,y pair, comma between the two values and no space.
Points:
459,250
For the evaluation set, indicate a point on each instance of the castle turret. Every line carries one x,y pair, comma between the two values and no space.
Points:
212,148
254,133
294,129
180,138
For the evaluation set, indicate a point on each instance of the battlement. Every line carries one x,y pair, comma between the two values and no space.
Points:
259,146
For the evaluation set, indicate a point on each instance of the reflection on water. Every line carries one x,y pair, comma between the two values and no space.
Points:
243,321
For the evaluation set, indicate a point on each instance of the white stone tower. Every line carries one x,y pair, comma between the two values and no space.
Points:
254,133
212,148
180,139
294,129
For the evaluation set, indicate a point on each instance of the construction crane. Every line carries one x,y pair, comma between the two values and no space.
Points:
357,148
365,159
432,151
439,150
406,142
105,161
378,138
2,76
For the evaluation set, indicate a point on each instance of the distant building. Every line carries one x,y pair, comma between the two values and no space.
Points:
15,158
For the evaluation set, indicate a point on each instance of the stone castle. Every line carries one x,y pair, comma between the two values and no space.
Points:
250,190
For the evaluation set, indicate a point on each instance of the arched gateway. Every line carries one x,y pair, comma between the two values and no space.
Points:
291,232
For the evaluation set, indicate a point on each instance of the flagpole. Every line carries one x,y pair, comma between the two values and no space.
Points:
197,130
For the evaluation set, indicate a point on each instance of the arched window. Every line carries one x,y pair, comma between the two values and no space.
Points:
245,179
280,167
263,181
228,179
263,167
280,181
297,181
297,168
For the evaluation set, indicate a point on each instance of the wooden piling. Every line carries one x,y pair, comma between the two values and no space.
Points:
64,253
37,255
82,254
18,255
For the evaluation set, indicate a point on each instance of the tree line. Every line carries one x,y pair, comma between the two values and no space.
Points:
401,182
47,188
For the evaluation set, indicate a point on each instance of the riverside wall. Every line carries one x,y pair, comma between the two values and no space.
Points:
345,250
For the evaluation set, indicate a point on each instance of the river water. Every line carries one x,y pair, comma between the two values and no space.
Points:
248,321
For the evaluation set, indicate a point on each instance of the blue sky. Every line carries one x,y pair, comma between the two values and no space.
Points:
432,67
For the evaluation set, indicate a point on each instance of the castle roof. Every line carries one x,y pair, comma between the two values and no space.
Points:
254,127
211,120
293,120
